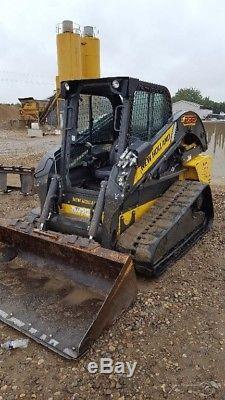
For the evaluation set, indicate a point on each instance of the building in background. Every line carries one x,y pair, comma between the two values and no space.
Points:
183,105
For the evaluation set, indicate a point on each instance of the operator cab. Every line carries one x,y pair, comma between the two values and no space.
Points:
94,140
102,117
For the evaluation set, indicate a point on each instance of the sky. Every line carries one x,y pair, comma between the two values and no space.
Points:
177,43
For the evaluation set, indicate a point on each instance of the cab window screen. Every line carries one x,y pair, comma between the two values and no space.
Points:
150,113
95,118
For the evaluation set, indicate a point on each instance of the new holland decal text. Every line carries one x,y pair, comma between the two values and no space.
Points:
158,149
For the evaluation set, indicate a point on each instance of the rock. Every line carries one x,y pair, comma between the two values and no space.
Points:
163,386
215,385
41,361
113,384
129,345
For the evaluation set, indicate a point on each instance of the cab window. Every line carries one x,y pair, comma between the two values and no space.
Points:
149,114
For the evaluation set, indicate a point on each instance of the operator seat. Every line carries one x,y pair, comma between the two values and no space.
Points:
104,172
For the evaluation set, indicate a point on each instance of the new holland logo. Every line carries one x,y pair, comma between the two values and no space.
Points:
159,147
189,120
157,150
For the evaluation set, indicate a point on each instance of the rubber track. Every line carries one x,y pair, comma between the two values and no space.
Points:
178,198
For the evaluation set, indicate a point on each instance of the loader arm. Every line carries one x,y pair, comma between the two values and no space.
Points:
146,170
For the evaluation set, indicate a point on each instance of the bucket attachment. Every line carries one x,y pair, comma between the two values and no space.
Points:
61,290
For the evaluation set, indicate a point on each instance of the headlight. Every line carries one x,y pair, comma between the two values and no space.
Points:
67,86
115,84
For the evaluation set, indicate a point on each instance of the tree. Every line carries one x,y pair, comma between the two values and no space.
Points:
188,94
194,95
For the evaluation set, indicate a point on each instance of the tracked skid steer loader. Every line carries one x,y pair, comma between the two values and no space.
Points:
127,189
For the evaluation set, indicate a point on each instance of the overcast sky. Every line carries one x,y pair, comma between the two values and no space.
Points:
178,43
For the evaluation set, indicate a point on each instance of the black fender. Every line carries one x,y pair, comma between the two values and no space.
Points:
190,127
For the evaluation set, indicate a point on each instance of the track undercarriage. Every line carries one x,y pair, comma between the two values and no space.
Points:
176,221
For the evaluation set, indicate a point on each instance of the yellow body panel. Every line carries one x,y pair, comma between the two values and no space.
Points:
127,216
198,169
90,54
75,211
69,56
158,149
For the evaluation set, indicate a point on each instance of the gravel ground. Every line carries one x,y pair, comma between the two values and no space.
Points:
175,331
17,148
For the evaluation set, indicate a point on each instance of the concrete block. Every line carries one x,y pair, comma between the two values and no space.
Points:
34,125
35,132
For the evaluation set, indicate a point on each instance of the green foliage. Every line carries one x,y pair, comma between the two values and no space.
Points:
188,94
194,95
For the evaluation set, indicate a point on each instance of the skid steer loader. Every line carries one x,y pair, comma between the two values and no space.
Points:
128,188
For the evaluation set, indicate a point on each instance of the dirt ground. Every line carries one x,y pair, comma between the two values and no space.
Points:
8,112
175,331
